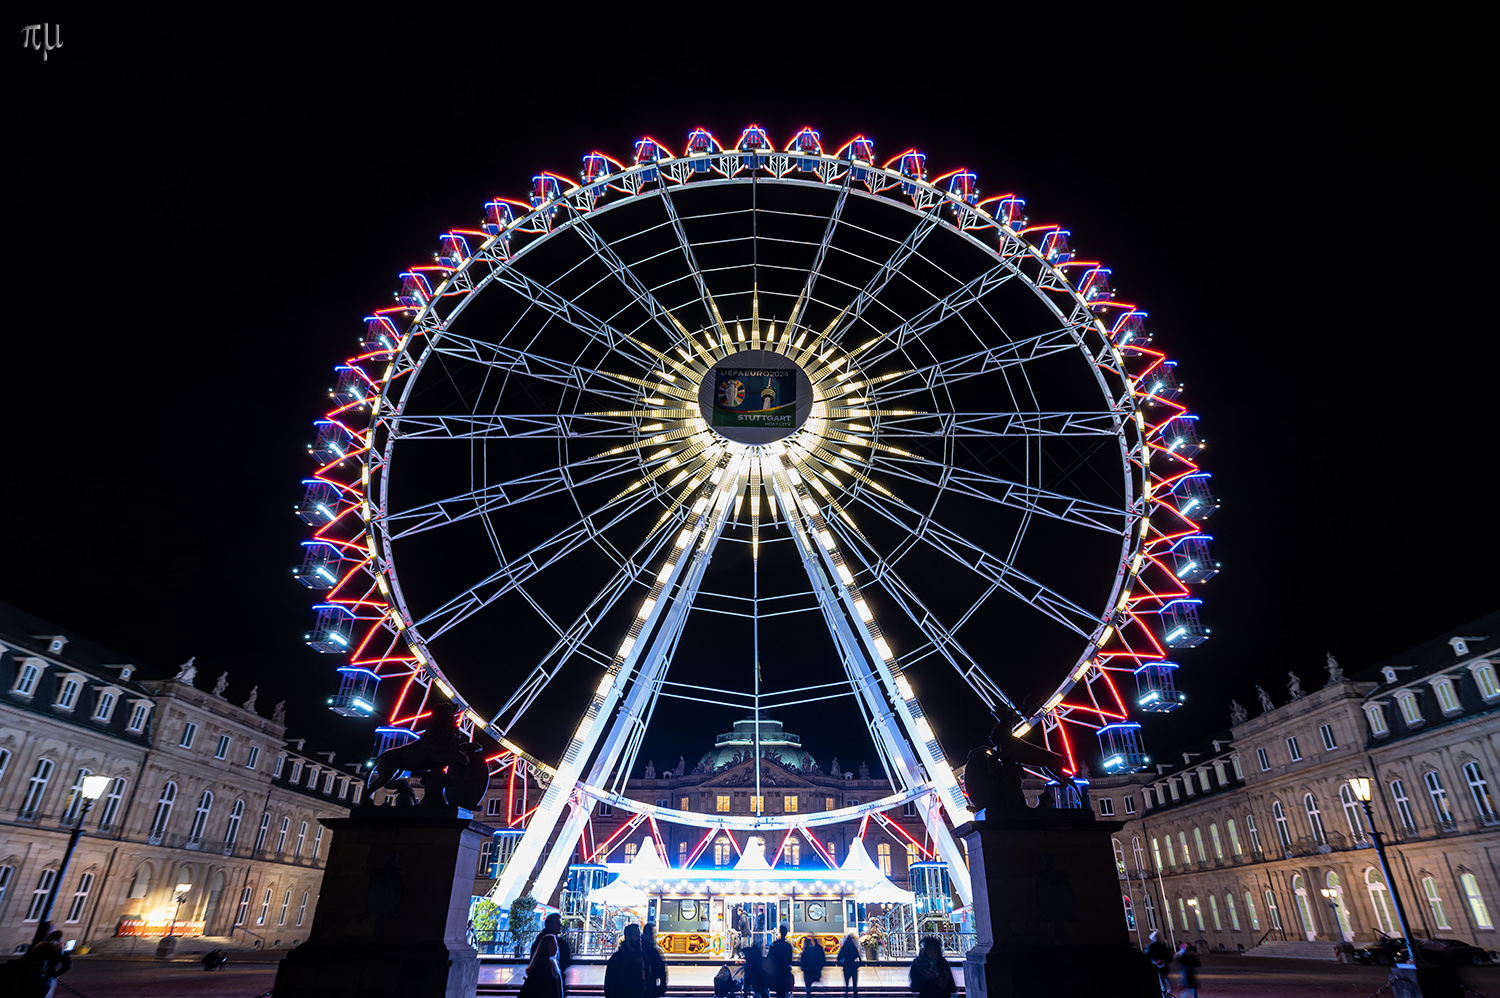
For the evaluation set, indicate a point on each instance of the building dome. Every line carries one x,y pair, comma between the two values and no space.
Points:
776,745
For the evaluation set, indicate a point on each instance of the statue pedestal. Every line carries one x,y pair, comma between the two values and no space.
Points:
1047,911
394,909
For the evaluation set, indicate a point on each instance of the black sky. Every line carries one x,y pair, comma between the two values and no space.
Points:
200,214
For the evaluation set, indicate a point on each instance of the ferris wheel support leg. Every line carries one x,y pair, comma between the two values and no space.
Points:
686,566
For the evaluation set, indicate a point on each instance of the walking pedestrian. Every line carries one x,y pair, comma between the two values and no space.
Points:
552,925
625,974
1187,957
813,960
1160,955
930,974
37,971
543,978
781,957
756,985
656,965
848,958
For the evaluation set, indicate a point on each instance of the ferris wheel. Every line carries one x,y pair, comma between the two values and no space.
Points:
633,440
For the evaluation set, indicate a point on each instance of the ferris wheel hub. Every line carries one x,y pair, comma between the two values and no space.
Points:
755,397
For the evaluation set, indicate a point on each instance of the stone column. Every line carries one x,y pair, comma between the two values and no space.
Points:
394,909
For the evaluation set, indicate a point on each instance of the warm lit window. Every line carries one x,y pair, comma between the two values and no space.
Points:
757,805
1484,678
1182,837
1380,901
1234,840
1213,834
721,852
1435,902
1119,858
1213,909
722,803
828,803
1376,716
1234,916
1171,857
1409,709
792,855
1156,849
1447,698
789,803
1198,843
683,804
1476,901
630,848
883,857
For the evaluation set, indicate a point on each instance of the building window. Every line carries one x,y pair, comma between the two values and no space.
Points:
1156,849
828,803
1484,678
286,824
1250,910
1410,712
1380,900
883,857
1304,906
494,806
1182,913
200,816
4,764
1129,913
1351,813
1476,901
789,803
909,809
1171,856
1326,730
684,804
606,811
236,814
1186,858
243,911
721,803
1129,804
189,732
630,850
1239,773
486,867
757,805
1315,820
1375,714
1292,751
721,852
317,842
832,851
1234,916
1213,909
682,855
1119,859
39,896
138,718
26,680
112,804
1446,697
1150,912
1213,835
1439,915
1283,831
265,907
1234,840
75,798
793,854
68,695
296,771
1198,844
1481,793
105,707
80,897
286,902
301,838
1439,798
222,752
1106,807
252,757
1263,759
163,808
1403,805
265,827
280,765
302,908
1254,833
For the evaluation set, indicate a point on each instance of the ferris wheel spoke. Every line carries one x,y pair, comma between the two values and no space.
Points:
888,270
503,495
1007,492
946,373
954,302
541,556
627,279
512,426
705,296
509,360
566,310
816,270
929,425
991,568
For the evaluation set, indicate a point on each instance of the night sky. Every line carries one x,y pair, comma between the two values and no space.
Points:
200,216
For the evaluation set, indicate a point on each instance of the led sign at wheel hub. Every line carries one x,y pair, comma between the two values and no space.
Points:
755,397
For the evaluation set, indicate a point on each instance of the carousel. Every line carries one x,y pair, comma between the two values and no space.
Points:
711,913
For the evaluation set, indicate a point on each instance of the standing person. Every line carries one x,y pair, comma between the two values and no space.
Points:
625,974
543,979
848,958
43,963
1188,958
781,956
1160,955
552,925
656,965
755,971
813,961
931,976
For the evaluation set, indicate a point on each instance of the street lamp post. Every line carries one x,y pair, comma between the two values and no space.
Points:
182,896
1361,787
93,788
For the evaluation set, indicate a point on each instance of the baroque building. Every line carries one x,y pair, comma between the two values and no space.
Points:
203,792
1256,838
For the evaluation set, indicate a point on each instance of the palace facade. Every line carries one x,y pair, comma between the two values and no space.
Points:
202,792
1256,837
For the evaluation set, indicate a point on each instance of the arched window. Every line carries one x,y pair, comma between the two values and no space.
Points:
318,844
1182,913
1341,911
1150,912
793,855
1171,859
1481,793
111,809
1439,798
1315,819
1197,914
1129,913
1304,906
200,816
286,901
1198,843
75,797
1410,712
1283,830
164,808
1254,833
1182,837
1234,916
1119,858
1140,854
80,897
4,764
36,790
301,839
1250,910
1380,900
1234,840
1480,910
1403,805
1213,835
1156,849
286,824
1435,902
236,814
40,895
1351,813
265,828
1213,910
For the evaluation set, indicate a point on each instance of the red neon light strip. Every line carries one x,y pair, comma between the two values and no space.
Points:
818,847
781,847
702,845
892,826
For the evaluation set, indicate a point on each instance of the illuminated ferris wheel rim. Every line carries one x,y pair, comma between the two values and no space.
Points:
1131,539
1013,251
